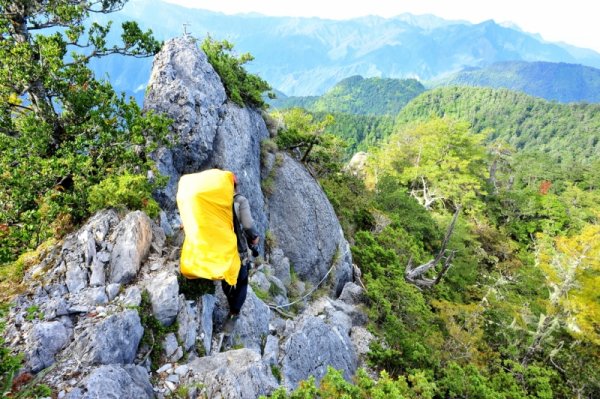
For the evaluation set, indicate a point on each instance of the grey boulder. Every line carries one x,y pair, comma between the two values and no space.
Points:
112,340
305,225
313,347
132,238
45,340
114,381
237,374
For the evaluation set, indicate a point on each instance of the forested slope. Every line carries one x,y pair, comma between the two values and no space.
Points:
563,131
506,307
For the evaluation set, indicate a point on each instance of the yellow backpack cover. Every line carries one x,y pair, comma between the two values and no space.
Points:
205,202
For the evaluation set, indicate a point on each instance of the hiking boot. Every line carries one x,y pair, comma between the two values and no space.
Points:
230,323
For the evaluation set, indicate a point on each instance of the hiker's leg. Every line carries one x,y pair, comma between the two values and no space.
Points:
229,291
236,295
240,291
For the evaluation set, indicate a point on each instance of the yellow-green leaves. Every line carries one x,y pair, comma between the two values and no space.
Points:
441,161
572,268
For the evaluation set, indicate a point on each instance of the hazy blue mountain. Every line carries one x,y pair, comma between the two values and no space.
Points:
552,81
359,96
307,56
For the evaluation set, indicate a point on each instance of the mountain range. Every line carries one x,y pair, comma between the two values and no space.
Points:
307,56
552,81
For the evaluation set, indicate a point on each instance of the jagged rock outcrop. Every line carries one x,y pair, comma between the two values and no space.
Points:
164,296
184,86
358,164
305,225
114,339
327,348
98,339
44,341
91,310
210,131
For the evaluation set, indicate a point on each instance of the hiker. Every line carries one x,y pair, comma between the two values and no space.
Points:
247,238
219,229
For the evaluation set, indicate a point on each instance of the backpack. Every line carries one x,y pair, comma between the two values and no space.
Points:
206,206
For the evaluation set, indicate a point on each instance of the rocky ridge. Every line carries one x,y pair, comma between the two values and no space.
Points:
83,323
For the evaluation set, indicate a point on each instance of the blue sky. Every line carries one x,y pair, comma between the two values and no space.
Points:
574,22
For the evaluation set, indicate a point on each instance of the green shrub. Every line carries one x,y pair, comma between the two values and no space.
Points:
333,386
124,192
242,87
276,372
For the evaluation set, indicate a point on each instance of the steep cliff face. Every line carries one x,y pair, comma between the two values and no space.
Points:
305,226
208,131
84,318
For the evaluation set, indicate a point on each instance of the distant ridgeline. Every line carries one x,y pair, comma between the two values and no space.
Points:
368,110
307,56
553,81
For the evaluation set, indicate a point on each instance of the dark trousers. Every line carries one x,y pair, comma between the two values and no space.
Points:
236,294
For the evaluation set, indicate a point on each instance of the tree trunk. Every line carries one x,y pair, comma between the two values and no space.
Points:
414,275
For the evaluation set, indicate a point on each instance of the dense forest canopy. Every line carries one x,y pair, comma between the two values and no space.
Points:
565,132
357,96
372,96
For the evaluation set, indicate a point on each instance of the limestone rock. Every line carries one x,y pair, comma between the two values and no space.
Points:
352,294
305,225
132,240
44,341
115,381
185,87
187,323
357,165
173,352
207,304
281,266
112,340
164,296
271,350
237,374
253,324
312,347
237,148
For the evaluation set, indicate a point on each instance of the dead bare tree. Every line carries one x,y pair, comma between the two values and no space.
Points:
414,275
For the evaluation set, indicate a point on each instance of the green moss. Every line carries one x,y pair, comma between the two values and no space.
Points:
267,146
34,313
270,240
276,372
274,290
261,294
154,331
